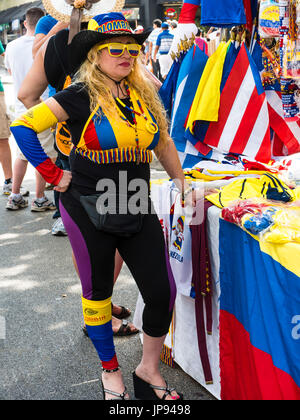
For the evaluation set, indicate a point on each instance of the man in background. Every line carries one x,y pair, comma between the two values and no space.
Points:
18,61
163,45
152,44
5,152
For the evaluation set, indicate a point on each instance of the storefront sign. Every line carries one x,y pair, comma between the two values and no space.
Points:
171,13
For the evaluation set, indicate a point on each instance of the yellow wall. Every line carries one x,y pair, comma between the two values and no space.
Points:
7,4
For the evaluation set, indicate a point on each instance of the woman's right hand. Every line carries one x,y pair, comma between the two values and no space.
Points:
64,183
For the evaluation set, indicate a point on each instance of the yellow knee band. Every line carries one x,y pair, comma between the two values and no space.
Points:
39,118
96,312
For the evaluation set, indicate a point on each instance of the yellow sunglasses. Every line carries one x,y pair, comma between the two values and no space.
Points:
117,50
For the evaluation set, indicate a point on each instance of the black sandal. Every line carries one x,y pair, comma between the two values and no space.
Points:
108,391
125,312
125,330
145,391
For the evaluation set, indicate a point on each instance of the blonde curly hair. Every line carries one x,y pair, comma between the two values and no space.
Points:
100,94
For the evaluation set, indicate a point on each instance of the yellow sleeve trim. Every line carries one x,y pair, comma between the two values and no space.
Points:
39,118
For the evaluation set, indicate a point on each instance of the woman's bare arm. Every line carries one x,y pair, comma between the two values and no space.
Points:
35,82
169,159
40,39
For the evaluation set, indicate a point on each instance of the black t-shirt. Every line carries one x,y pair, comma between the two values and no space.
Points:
56,65
57,59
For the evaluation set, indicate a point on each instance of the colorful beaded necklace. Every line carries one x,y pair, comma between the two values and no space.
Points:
151,126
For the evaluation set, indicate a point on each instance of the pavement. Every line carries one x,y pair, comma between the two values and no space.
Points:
43,352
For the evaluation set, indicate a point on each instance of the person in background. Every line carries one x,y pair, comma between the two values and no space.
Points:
5,152
163,45
152,44
201,42
46,28
173,26
214,35
18,61
139,29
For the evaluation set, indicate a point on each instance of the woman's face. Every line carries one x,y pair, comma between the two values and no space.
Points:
116,67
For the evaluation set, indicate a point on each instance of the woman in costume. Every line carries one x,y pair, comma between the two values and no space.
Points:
51,66
116,120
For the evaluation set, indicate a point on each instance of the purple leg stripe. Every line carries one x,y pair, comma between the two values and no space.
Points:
80,251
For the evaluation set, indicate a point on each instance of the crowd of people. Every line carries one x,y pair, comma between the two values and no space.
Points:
90,85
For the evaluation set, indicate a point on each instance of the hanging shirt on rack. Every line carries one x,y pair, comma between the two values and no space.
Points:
226,13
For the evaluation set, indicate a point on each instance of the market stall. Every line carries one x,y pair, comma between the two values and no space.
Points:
235,121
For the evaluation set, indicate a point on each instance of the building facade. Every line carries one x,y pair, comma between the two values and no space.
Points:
145,10
152,9
141,12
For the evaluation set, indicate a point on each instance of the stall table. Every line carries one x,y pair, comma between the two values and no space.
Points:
254,348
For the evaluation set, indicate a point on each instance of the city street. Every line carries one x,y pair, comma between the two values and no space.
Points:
43,353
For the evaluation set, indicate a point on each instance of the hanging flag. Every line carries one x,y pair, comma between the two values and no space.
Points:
189,76
196,126
188,79
243,124
168,89
251,12
196,150
287,133
186,28
207,98
256,53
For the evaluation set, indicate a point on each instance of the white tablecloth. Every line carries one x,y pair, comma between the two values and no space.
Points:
185,343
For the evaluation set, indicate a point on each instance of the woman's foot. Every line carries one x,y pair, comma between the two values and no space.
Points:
155,378
113,381
120,312
120,329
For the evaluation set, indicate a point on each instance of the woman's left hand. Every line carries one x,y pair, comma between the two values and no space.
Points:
64,182
196,195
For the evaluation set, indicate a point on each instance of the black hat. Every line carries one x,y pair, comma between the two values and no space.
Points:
102,27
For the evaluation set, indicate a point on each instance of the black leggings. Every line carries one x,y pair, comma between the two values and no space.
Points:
144,253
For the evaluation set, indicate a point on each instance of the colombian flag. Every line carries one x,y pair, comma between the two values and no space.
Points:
259,317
